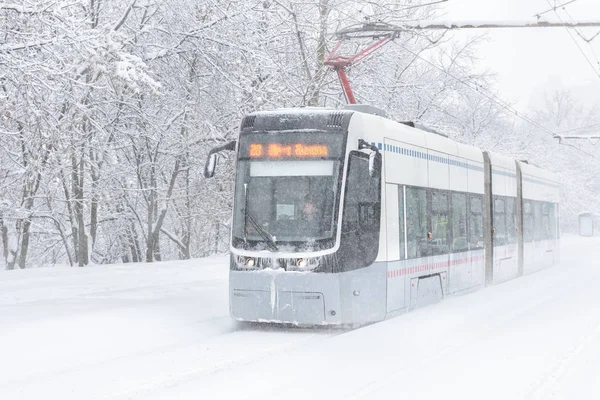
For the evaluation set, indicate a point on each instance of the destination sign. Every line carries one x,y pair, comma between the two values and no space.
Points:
293,150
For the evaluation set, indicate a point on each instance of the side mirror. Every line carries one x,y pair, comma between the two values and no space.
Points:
211,163
211,160
374,157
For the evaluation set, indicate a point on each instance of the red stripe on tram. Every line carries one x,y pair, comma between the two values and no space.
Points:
434,266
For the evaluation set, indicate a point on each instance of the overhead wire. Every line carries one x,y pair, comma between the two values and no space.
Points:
389,9
588,41
577,30
426,4
497,100
483,92
538,15
576,43
580,128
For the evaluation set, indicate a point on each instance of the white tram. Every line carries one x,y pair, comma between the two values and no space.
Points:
347,217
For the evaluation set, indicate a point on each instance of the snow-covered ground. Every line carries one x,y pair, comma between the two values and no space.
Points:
162,331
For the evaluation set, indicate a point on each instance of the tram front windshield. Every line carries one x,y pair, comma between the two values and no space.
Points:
290,202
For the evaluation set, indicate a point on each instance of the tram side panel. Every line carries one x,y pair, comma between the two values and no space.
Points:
427,206
506,262
448,183
473,162
460,274
503,218
557,235
520,241
405,167
541,245
439,150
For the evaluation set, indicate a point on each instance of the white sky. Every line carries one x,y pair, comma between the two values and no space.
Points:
529,62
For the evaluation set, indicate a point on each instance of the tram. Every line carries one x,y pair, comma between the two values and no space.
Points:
346,217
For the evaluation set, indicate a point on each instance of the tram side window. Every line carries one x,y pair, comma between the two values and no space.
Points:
545,224
538,231
416,222
511,222
475,222
401,221
440,230
459,222
361,218
554,221
527,221
549,220
499,222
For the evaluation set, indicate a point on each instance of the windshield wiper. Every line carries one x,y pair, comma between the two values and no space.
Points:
261,231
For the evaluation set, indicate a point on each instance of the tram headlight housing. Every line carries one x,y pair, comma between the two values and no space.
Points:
246,262
306,264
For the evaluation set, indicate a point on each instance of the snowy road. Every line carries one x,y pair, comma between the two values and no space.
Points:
162,331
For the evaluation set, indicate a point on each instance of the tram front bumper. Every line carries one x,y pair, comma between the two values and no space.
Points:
285,297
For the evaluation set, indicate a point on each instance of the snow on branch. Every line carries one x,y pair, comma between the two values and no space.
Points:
176,239
125,16
5,48
18,8
132,69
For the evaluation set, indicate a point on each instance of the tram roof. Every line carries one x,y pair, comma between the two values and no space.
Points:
538,172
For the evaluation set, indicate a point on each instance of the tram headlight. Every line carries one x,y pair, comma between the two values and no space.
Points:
306,264
246,263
